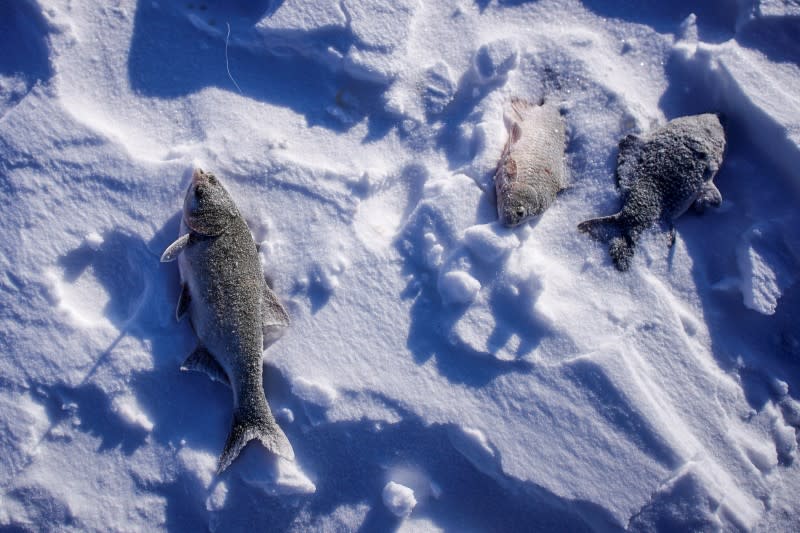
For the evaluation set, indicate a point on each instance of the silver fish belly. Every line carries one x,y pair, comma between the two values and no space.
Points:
531,170
230,308
660,176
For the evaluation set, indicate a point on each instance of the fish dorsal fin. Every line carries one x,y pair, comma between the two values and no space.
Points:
174,249
274,312
275,318
200,360
627,158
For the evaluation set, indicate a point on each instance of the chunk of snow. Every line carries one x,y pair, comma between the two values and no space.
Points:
399,499
128,409
458,287
490,242
315,392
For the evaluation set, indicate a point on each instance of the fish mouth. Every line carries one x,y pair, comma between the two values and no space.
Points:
198,177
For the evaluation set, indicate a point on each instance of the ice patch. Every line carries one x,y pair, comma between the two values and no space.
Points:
315,392
399,499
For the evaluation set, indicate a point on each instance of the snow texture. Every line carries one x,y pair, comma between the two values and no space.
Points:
492,379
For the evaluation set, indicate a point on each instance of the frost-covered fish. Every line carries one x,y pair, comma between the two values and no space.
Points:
231,308
531,169
661,175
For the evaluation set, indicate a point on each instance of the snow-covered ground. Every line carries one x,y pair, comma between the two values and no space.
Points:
441,372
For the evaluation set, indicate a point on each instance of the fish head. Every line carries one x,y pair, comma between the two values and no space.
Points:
518,203
208,209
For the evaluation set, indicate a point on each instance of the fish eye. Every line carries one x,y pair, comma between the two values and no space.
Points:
199,192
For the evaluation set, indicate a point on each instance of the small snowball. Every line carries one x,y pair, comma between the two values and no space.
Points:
399,499
285,414
94,240
434,256
314,392
458,287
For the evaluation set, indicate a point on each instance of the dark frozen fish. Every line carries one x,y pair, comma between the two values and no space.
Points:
231,308
531,169
660,176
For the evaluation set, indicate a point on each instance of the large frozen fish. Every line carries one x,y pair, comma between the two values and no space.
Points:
661,175
231,308
531,169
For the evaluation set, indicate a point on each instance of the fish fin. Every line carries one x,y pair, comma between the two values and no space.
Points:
275,317
520,106
602,229
621,251
183,302
274,312
249,424
200,360
709,196
172,251
627,157
670,233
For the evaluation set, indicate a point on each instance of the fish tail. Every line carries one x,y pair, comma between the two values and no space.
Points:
250,424
620,243
621,251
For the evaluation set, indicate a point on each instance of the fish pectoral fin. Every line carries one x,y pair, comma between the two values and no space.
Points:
201,360
174,249
670,234
516,133
183,302
709,196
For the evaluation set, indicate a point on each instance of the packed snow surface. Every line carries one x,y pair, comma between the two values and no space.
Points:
441,372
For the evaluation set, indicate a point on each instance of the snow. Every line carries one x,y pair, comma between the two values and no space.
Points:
399,499
441,372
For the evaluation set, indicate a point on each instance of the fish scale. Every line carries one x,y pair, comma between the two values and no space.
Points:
231,308
531,169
